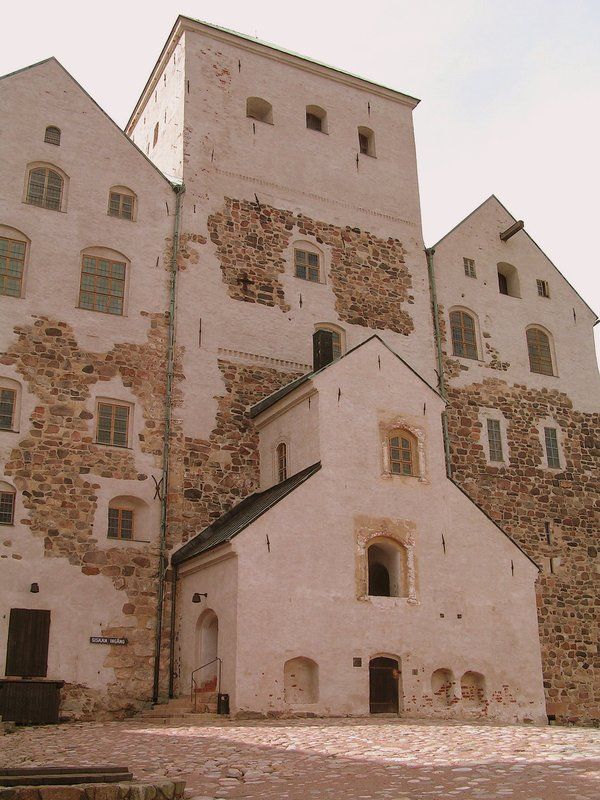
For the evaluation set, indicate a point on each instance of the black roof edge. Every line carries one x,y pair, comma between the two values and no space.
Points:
529,236
500,528
175,186
187,550
274,397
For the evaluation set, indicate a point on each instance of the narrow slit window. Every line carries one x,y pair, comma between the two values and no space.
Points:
307,266
121,205
155,135
281,462
540,354
552,454
495,440
44,188
502,283
113,424
102,285
120,523
469,265
8,402
464,341
7,508
12,266
52,135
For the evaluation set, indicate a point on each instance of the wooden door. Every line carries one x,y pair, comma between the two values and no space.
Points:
27,649
383,686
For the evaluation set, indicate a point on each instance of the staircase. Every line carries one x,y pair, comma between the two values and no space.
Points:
181,709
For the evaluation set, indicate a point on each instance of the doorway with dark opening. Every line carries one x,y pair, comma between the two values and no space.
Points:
385,685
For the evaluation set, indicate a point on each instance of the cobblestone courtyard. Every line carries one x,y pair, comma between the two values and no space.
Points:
353,759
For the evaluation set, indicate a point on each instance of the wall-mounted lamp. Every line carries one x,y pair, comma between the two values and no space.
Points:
197,596
34,588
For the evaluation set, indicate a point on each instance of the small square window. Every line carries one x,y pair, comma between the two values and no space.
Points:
542,288
307,266
113,424
469,265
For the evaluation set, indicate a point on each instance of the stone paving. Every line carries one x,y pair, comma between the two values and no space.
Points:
331,759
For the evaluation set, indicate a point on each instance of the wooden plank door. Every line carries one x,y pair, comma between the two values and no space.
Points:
27,648
383,686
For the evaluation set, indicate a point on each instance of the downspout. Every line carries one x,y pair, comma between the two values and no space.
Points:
174,576
162,557
430,252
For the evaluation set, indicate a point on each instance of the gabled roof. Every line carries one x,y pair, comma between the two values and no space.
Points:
241,516
269,401
535,244
131,143
268,49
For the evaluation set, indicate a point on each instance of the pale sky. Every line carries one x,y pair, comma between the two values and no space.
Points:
510,90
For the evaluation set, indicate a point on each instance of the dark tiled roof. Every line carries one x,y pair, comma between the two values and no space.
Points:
269,401
240,516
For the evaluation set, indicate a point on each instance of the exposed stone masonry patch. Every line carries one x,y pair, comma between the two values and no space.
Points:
368,274
522,497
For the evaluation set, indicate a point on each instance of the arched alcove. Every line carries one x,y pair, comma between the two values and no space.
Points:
206,650
316,119
259,109
129,519
472,689
300,681
508,280
442,687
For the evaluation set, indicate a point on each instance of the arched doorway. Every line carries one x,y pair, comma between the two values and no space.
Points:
385,685
206,650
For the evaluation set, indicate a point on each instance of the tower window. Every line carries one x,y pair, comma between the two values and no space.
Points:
552,454
306,265
469,265
495,440
52,135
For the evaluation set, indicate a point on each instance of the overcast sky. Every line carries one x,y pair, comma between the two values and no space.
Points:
510,90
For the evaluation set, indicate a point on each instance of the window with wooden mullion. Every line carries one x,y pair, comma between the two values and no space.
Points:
102,285
7,408
464,342
552,453
495,440
307,265
401,456
120,205
7,508
540,356
120,523
44,188
12,265
113,422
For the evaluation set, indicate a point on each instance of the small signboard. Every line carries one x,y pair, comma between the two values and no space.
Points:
107,640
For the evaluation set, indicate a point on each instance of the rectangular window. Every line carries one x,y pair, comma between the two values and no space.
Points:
113,422
102,285
307,265
7,508
120,205
552,454
495,440
8,399
120,523
469,265
12,265
542,288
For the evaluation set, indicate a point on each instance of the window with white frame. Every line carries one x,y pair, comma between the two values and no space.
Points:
543,289
551,447
469,267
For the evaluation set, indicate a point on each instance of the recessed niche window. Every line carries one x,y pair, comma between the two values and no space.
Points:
551,446
337,338
495,440
259,109
469,267
464,334
281,462
402,453
543,289
121,203
120,523
12,265
112,423
366,141
307,266
508,280
539,350
7,504
386,562
102,284
52,135
45,188
316,119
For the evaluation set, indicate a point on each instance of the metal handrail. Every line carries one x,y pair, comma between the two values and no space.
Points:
193,684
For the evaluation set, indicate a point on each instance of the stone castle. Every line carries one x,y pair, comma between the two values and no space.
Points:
255,438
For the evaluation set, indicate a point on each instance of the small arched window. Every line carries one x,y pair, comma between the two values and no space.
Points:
45,188
387,569
337,338
102,281
540,351
281,462
128,519
259,109
155,136
13,257
366,141
121,203
7,503
464,336
402,453
316,119
508,280
52,135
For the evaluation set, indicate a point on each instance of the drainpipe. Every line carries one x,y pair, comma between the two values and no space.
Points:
430,252
162,557
174,576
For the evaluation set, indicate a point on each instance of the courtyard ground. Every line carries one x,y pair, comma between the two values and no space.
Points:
331,759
